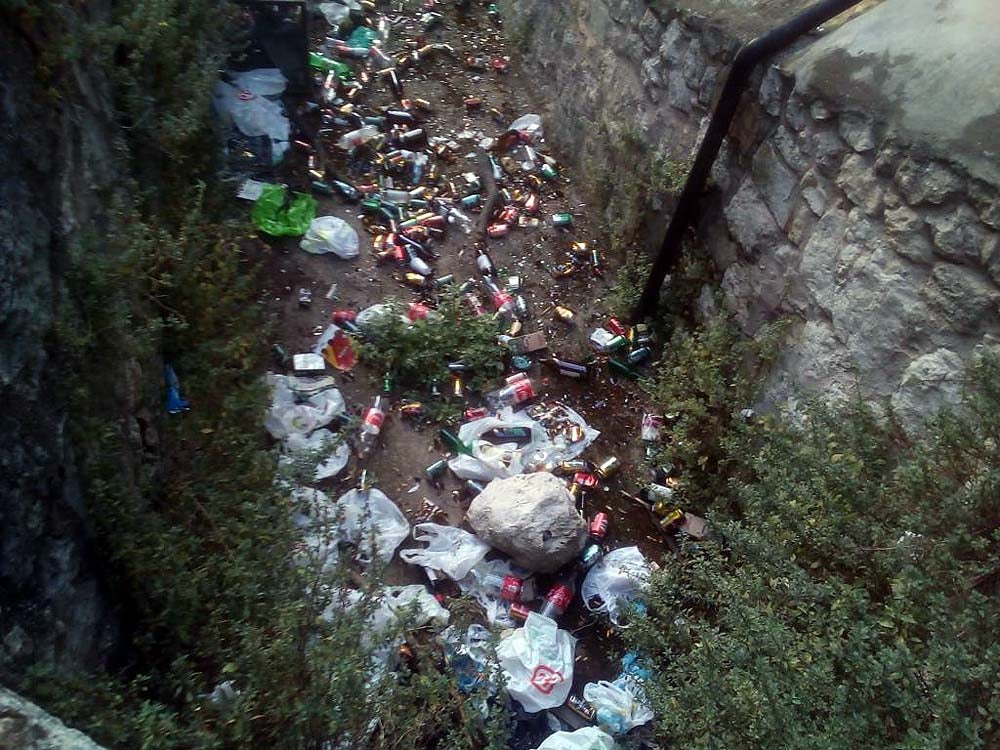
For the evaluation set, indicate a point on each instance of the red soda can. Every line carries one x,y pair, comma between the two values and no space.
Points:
341,316
557,601
615,326
497,230
417,311
437,221
585,479
477,413
508,215
531,203
598,526
499,64
510,590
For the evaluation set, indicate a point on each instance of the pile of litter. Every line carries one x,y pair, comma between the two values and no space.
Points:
529,553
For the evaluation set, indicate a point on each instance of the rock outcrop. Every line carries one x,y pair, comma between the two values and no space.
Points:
531,517
25,726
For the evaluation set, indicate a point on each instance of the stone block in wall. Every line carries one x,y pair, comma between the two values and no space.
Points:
930,382
860,184
907,234
651,77
987,201
858,130
772,91
789,146
801,223
820,256
964,298
815,190
693,64
673,43
750,220
678,93
990,258
926,182
958,234
776,182
706,86
755,292
650,30
796,113
827,149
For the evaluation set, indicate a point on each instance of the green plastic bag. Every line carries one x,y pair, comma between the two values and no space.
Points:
362,37
273,215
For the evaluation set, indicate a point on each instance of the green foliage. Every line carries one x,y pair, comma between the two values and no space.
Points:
630,278
854,604
414,353
705,378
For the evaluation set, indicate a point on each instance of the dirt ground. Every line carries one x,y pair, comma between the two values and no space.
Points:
610,404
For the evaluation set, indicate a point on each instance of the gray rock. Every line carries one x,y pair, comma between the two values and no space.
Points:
991,258
754,292
815,191
706,87
694,64
750,221
903,220
705,307
650,30
907,235
800,224
775,181
25,726
931,381
772,91
651,78
860,184
679,95
987,202
819,257
827,149
964,298
858,130
531,517
673,43
795,112
926,182
787,144
819,111
958,234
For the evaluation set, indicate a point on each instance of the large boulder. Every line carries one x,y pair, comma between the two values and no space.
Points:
532,518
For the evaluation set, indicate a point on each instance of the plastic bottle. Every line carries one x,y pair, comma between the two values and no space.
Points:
512,394
357,137
371,426
508,587
558,599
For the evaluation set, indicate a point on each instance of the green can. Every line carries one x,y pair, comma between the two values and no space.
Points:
435,471
549,172
562,219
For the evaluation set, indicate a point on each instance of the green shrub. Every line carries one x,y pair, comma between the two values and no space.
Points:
851,598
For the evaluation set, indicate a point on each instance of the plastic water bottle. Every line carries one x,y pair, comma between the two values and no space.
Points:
511,395
371,426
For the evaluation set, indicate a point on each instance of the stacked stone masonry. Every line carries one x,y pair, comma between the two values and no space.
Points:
886,254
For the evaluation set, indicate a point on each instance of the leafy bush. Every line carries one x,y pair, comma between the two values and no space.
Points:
415,353
854,602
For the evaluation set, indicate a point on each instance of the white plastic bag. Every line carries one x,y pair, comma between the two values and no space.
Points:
288,417
335,13
537,662
451,550
253,114
530,124
296,445
489,461
365,518
261,81
330,234
586,738
398,599
618,578
621,705
367,514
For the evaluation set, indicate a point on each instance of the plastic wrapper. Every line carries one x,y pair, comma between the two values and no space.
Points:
537,663
291,414
450,550
253,115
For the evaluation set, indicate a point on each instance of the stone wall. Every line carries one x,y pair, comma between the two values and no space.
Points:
879,244
25,726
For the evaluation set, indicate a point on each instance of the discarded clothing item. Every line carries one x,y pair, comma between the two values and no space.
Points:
532,518
585,738
277,217
615,582
450,550
329,234
537,663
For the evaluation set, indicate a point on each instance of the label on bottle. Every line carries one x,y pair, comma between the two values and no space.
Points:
375,418
523,390
560,596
